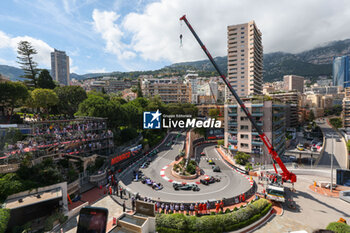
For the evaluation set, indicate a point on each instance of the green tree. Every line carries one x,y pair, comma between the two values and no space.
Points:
139,90
214,112
9,184
69,99
44,98
45,80
311,116
13,94
96,106
4,218
242,158
338,227
25,53
336,122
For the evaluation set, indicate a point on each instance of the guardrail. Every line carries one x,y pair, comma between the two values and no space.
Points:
98,177
73,187
9,168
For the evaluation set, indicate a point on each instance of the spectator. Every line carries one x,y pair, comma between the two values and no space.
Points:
208,206
124,207
200,208
182,208
167,208
172,208
205,208
133,203
162,206
196,209
191,208
222,206
217,207
177,207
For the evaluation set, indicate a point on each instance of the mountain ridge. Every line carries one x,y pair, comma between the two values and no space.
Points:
310,63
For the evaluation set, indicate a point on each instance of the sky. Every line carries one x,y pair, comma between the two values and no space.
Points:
135,35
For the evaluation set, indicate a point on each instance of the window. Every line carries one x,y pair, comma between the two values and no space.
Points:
242,64
242,37
242,85
242,28
245,136
244,118
242,50
244,145
244,127
242,41
242,72
242,89
242,32
242,76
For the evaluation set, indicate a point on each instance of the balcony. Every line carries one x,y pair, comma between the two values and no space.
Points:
260,124
278,114
232,132
257,114
232,123
257,143
278,122
232,114
234,141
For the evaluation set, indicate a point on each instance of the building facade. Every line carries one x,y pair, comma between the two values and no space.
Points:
346,109
170,90
341,71
244,59
293,82
60,67
240,135
292,101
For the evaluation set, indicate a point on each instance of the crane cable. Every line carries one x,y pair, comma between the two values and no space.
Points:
180,34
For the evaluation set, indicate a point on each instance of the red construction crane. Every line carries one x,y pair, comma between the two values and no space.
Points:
286,175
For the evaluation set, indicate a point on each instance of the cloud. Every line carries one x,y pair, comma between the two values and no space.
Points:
43,49
290,26
104,23
103,70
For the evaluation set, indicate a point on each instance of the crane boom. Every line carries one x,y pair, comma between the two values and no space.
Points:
286,175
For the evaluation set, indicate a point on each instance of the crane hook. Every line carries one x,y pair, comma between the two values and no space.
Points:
180,40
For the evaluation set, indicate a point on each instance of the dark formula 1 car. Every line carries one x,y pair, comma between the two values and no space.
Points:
193,187
209,180
216,169
157,186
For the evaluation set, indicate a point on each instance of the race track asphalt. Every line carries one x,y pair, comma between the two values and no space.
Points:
232,183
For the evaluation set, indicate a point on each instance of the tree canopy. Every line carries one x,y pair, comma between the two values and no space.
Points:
44,98
25,58
45,80
69,99
13,94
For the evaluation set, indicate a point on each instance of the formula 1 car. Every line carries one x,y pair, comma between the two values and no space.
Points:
178,187
157,186
216,169
209,180
211,162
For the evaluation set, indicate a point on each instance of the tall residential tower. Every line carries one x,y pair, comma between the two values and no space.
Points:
245,59
60,67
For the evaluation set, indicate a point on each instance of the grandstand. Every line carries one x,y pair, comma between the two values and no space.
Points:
74,138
